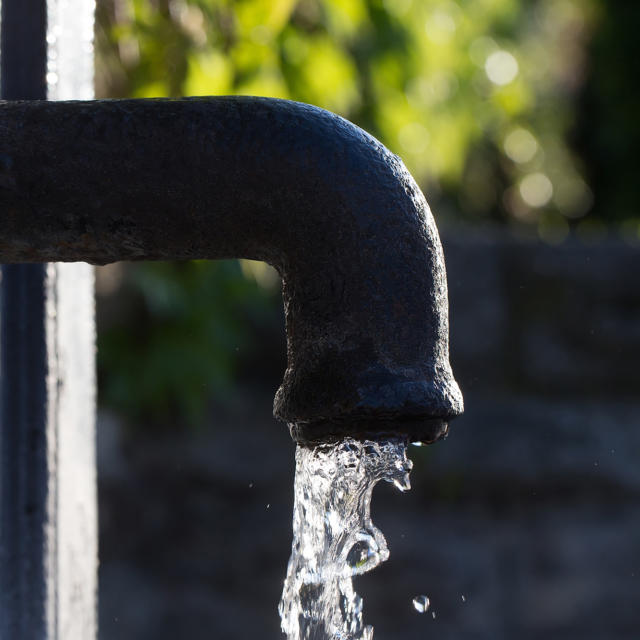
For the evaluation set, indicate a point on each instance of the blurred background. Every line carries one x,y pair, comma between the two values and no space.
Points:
520,121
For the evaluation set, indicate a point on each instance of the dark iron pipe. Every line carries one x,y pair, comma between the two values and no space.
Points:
327,205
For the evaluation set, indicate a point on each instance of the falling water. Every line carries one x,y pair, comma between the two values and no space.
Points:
333,536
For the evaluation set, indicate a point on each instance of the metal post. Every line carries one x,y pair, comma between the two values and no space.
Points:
48,532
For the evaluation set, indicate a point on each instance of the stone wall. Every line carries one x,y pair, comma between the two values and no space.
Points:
558,321
523,524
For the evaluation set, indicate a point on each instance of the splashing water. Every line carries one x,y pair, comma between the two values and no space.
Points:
333,536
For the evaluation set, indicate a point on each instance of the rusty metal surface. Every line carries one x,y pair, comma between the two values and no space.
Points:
336,213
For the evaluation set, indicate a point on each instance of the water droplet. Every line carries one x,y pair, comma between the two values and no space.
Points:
433,615
268,505
251,485
421,603
464,599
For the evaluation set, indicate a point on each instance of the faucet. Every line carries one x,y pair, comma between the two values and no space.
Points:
336,213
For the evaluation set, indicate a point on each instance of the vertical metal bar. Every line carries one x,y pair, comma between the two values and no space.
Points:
24,465
48,532
23,37
25,542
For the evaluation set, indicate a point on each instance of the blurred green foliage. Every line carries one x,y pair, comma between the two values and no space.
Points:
177,338
481,98
477,96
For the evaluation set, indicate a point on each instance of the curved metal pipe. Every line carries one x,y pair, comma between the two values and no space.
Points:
335,212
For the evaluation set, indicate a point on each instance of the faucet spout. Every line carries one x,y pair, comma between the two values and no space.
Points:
336,213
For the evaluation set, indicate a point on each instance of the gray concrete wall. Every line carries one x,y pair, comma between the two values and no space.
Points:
530,510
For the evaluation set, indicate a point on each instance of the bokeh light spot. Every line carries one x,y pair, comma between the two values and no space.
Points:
440,26
520,145
536,189
501,67
431,90
572,196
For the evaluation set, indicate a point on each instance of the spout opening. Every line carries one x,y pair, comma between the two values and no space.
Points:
316,409
425,430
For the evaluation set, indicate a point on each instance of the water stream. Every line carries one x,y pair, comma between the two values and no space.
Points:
333,536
